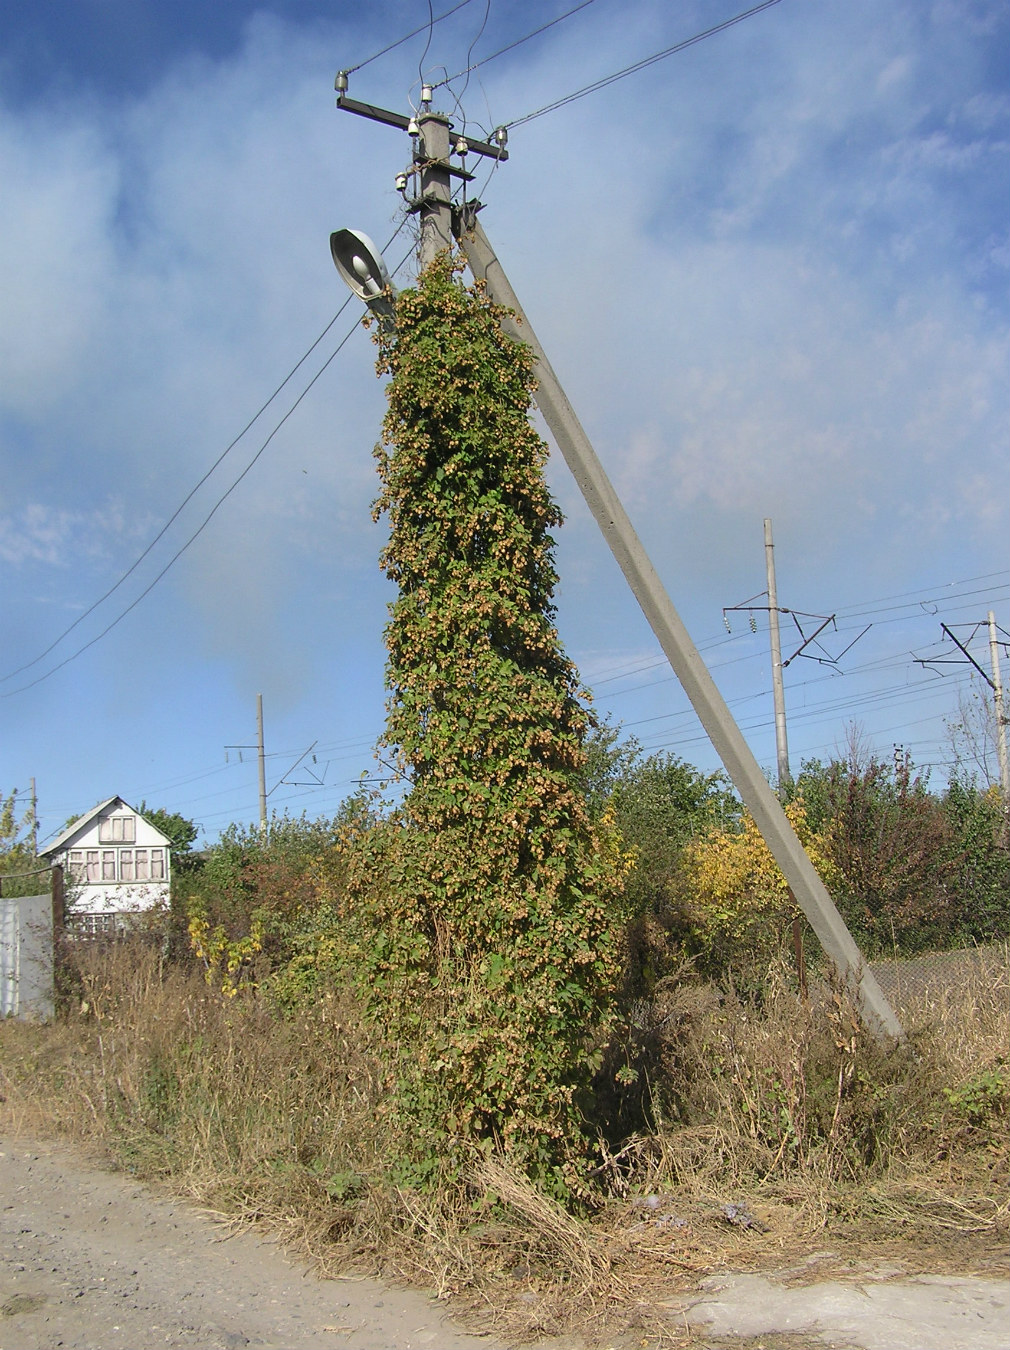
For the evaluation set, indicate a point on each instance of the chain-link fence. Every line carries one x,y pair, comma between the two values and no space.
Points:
937,977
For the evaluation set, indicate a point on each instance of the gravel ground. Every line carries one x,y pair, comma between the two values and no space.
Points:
92,1260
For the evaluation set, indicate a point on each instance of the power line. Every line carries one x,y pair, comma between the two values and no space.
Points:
901,595
432,20
181,507
477,38
427,45
467,70
210,515
641,65
644,664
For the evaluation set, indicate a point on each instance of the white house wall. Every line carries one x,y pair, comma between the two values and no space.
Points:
116,862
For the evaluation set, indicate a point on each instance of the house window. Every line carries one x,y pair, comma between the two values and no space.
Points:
142,866
157,864
91,864
93,927
126,864
117,830
78,871
108,864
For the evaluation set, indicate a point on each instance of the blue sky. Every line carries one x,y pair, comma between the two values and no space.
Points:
771,272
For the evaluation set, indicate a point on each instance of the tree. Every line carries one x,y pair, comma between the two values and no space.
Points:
657,803
893,847
257,899
480,909
735,902
180,832
20,872
973,736
660,804
980,910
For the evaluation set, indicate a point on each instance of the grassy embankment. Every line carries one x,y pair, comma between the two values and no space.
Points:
777,1129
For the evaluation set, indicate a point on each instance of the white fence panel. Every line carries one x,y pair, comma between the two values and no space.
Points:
26,956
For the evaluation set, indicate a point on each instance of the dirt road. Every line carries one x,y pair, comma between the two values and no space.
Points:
93,1261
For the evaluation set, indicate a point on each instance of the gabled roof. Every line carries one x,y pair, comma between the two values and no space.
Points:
82,822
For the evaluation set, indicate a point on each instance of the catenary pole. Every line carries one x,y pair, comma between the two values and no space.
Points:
778,690
997,685
684,657
261,755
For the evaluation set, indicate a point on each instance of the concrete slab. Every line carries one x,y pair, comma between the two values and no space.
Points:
926,1312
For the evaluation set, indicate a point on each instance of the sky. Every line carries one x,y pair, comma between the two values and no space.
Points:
770,271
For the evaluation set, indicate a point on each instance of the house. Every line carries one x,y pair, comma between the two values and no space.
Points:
115,863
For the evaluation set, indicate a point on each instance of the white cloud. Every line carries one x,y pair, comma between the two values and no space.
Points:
62,538
57,260
770,274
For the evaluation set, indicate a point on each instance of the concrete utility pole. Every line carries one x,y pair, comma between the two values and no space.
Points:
35,818
744,770
435,198
434,142
778,691
997,685
993,681
432,204
262,765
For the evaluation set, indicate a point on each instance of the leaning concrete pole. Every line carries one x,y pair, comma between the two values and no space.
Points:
684,657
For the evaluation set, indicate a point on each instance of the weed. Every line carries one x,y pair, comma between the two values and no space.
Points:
771,1107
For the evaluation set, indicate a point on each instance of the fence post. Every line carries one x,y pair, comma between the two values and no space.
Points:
59,928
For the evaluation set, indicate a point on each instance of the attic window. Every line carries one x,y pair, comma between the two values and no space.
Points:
117,830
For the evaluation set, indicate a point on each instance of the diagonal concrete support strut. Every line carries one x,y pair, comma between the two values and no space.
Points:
744,770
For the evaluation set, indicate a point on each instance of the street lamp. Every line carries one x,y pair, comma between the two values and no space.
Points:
360,265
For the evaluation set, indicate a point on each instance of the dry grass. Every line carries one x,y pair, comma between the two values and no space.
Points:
781,1130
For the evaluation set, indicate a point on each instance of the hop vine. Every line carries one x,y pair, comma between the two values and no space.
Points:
481,909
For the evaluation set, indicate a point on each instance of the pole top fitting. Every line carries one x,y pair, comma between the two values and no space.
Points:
426,94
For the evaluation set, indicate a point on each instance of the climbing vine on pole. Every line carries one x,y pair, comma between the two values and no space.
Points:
481,911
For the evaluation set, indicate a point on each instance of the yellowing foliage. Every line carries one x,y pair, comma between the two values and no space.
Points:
226,961
734,898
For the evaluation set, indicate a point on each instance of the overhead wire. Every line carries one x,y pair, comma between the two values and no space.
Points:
910,692
952,605
427,45
485,60
647,61
210,515
182,505
480,34
432,20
